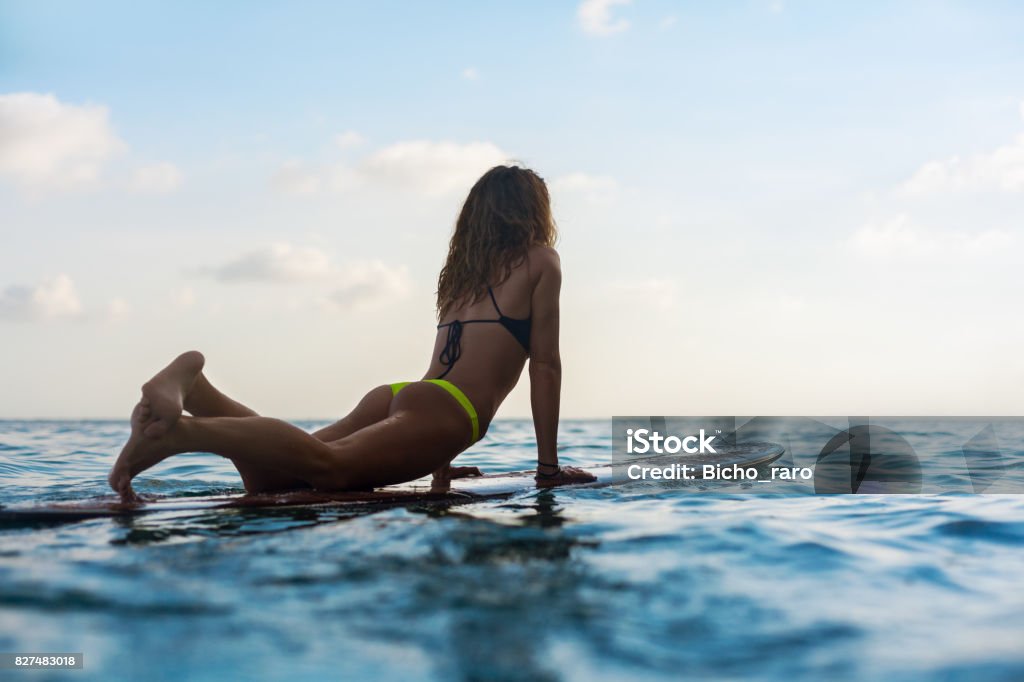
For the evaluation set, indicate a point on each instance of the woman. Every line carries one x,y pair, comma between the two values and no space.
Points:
497,302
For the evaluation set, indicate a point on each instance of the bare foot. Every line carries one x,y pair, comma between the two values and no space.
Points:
138,454
566,476
164,394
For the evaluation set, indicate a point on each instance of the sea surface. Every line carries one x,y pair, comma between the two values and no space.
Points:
626,582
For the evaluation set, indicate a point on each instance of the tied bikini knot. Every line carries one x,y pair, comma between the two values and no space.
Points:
452,347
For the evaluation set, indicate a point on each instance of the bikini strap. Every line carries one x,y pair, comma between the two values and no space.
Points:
495,301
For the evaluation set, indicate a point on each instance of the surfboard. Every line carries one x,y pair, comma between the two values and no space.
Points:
460,491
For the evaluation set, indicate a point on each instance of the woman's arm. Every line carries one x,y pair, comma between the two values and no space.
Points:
545,360
546,374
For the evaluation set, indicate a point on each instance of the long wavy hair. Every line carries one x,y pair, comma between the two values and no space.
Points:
507,211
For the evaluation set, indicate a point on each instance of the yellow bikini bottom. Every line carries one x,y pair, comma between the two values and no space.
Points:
455,392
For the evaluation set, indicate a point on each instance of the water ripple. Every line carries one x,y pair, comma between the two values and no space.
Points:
632,582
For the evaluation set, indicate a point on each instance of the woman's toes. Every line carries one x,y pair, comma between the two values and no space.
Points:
123,487
117,480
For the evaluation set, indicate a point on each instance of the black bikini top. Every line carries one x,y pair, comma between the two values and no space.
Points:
452,350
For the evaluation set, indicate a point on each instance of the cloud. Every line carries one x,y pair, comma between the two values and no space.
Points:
591,187
48,144
422,167
1001,169
357,285
595,17
471,73
651,291
430,167
183,298
368,285
52,299
296,179
118,309
157,178
899,239
275,263
348,139
668,22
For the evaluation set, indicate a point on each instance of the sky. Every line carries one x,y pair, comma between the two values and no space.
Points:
766,207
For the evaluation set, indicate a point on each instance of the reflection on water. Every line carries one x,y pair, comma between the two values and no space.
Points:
564,584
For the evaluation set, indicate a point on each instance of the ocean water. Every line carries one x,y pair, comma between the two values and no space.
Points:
575,584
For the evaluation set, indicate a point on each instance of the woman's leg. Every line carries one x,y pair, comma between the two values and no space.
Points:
375,406
204,400
423,433
183,385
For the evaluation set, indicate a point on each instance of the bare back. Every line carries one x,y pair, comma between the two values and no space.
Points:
492,360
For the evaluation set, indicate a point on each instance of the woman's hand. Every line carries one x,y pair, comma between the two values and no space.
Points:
565,476
447,473
463,472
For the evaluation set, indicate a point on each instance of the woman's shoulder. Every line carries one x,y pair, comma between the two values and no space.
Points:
544,266
544,258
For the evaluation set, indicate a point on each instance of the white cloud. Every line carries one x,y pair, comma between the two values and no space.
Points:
295,178
430,167
118,309
157,178
348,139
52,299
341,178
48,144
368,285
668,22
900,239
471,73
595,17
651,291
275,263
419,166
776,6
1001,169
357,285
183,298
784,304
591,187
